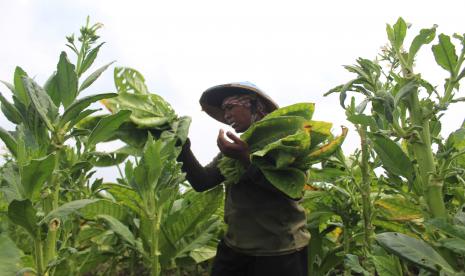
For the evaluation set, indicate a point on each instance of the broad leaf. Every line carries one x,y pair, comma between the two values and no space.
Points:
456,231
119,228
67,209
364,120
103,207
10,111
76,108
9,141
67,80
404,91
106,126
414,250
20,90
22,213
289,180
124,195
10,256
41,102
128,80
444,53
387,265
196,208
396,33
454,244
34,175
94,76
89,60
51,86
392,156
424,37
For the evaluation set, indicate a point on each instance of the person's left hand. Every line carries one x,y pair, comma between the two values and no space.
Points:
238,149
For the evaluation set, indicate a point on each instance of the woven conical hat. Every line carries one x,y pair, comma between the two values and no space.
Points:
213,97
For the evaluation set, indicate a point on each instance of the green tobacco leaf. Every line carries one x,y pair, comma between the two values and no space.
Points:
78,106
392,156
89,60
128,80
124,195
444,53
351,261
289,180
456,231
119,228
319,132
51,86
414,250
267,131
10,111
364,120
103,207
387,265
9,141
304,110
195,209
106,126
41,102
396,33
148,110
424,37
9,86
34,175
94,76
67,209
397,208
108,159
23,214
404,91
10,256
454,244
67,80
20,90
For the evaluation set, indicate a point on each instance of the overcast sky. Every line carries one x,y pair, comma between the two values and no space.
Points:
293,50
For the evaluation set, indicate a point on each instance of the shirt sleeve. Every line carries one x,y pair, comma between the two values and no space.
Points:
201,178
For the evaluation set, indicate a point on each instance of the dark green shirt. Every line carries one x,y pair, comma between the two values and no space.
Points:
262,221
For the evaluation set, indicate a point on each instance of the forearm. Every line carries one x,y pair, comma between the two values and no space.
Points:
201,178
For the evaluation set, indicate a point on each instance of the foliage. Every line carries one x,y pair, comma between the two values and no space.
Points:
284,145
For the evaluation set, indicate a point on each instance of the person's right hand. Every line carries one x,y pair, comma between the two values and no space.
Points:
237,149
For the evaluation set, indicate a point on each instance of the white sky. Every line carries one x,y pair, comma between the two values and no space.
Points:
293,50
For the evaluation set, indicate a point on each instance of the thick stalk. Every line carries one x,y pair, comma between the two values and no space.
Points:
39,259
366,190
51,242
432,190
346,244
155,222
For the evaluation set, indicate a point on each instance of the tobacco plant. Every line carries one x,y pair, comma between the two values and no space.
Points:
399,133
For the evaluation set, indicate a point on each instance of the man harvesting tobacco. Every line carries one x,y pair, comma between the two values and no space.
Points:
266,232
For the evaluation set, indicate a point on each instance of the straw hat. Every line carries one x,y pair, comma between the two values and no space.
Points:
213,97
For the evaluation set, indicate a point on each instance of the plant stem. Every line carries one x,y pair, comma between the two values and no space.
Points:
366,190
154,250
38,254
51,242
432,190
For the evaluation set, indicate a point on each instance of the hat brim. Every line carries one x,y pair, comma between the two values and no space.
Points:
212,99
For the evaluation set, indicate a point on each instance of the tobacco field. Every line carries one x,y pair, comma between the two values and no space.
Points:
395,206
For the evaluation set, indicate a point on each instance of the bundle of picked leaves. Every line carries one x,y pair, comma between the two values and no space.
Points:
284,145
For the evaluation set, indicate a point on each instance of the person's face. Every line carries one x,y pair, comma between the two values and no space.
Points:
238,117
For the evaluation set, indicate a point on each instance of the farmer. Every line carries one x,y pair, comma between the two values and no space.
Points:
266,229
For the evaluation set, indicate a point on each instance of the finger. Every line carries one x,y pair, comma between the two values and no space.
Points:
234,138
